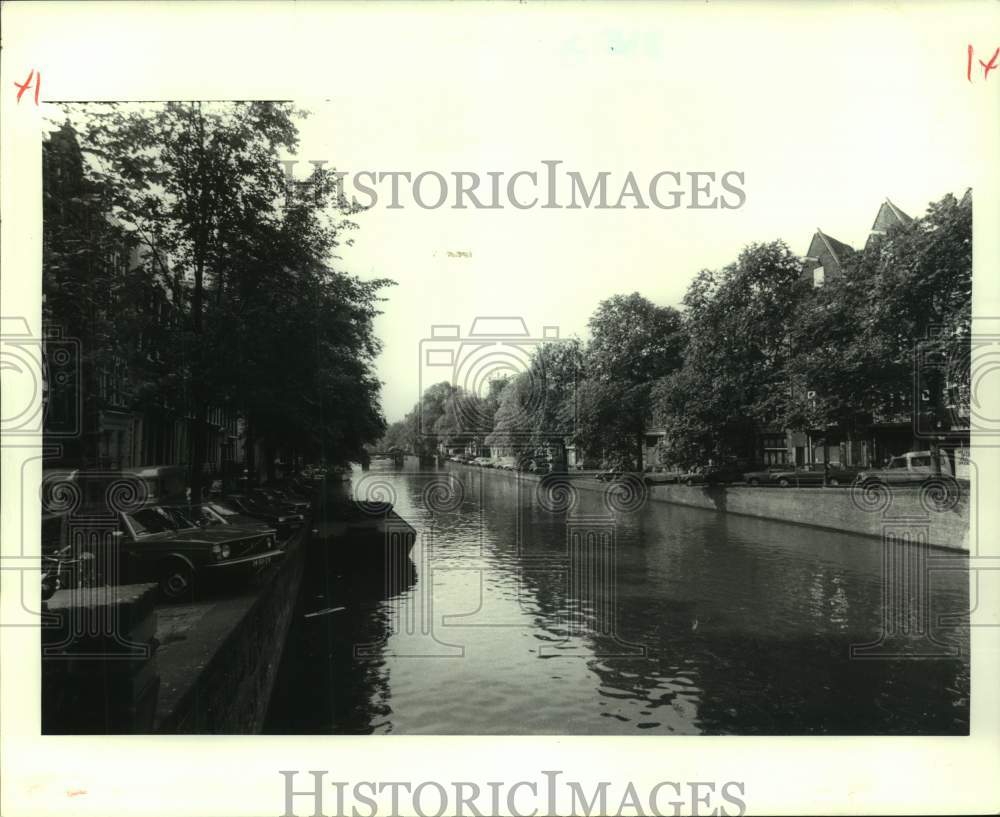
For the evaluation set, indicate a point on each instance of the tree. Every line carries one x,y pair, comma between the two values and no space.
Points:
856,343
633,343
260,319
537,409
733,380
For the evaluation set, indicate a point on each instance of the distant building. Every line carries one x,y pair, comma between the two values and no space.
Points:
888,216
824,259
877,438
117,430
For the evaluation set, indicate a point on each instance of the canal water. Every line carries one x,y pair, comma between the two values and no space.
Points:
547,608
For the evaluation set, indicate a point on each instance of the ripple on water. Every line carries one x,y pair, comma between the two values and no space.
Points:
746,624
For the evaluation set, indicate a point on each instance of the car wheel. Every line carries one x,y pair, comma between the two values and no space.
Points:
835,483
755,482
177,581
784,483
689,482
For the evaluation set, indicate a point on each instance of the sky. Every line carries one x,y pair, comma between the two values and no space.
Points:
825,112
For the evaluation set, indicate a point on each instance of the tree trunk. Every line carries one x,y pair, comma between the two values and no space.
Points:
199,426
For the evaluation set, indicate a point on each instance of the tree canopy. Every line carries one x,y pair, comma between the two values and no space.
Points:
236,300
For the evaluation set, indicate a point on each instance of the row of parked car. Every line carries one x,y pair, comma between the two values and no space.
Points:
168,539
913,467
526,464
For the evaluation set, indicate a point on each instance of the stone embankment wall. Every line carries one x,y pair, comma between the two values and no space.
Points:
935,513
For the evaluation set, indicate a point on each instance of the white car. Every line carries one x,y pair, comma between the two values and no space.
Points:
911,467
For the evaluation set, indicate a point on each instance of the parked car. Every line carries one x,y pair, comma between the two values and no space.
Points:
811,475
283,521
166,545
212,514
764,476
287,492
713,474
910,468
481,461
609,475
663,477
275,500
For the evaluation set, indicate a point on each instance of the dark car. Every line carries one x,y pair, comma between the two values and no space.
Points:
213,513
714,475
806,476
764,476
283,503
164,544
289,491
283,521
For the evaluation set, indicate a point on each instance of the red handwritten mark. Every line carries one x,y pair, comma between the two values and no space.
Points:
987,66
75,792
22,87
991,65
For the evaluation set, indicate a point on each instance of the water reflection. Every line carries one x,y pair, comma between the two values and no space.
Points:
333,678
535,611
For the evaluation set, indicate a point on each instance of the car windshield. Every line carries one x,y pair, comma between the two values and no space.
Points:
158,519
221,510
204,515
897,462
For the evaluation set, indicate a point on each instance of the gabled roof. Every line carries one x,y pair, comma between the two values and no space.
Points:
903,217
838,249
889,215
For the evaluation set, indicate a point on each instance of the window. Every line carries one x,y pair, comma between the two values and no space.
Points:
819,277
774,457
921,462
151,520
158,520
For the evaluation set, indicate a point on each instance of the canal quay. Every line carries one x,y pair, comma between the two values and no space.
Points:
562,606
